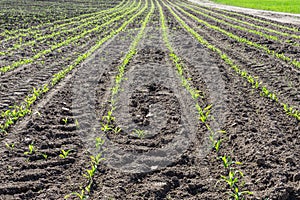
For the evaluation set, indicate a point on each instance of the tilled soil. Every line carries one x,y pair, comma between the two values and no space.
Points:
173,158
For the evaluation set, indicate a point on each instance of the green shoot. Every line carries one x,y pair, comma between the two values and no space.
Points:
65,120
10,146
45,156
227,161
99,142
80,195
106,127
140,133
64,153
31,150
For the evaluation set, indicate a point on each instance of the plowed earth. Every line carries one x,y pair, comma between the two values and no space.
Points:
173,159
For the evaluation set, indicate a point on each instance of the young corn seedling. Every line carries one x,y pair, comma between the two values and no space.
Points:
31,150
65,120
45,156
117,130
109,118
80,195
237,195
265,92
227,162
90,172
291,111
203,113
233,178
95,160
216,144
77,124
64,153
10,146
99,142
140,133
106,127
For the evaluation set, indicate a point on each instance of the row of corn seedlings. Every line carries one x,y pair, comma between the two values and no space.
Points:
108,119
290,110
222,16
95,160
25,105
11,34
234,176
280,56
90,172
238,27
32,150
65,42
82,25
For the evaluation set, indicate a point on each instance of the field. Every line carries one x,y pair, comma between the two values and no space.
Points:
288,6
147,99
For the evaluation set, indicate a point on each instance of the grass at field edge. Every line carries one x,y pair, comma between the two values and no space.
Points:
287,6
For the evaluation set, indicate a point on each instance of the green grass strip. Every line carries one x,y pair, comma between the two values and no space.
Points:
252,80
270,37
244,22
288,6
261,21
281,56
24,108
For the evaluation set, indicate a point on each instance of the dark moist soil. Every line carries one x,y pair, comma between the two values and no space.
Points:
279,76
174,159
153,100
33,176
25,14
259,134
17,84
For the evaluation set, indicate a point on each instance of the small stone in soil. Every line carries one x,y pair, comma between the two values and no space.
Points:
289,160
260,162
296,177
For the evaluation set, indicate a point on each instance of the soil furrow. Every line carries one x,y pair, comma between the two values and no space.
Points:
280,77
250,122
155,105
51,134
150,79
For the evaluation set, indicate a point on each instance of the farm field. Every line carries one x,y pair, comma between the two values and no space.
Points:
147,99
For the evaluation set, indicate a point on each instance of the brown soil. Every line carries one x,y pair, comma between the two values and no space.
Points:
174,159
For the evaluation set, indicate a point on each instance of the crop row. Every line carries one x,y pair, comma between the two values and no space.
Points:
220,20
238,21
290,110
14,18
84,24
280,56
58,27
95,159
234,176
44,68
261,65
97,29
12,115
